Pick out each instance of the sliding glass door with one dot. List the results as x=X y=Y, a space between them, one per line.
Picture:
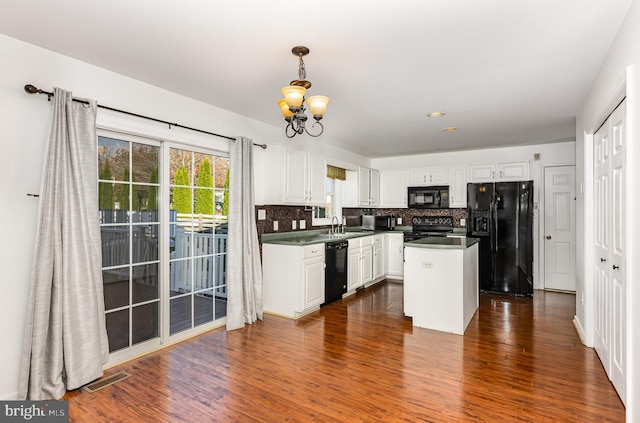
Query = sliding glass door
x=163 y=219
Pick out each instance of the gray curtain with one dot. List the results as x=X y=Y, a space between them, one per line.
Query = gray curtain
x=244 y=273
x=65 y=344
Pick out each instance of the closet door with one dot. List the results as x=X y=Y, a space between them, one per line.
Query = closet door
x=610 y=251
x=618 y=251
x=602 y=286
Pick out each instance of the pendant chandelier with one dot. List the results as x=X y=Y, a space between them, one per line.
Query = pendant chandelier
x=293 y=103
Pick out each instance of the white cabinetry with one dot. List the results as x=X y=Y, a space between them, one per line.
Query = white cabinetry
x=458 y=187
x=379 y=257
x=395 y=254
x=366 y=261
x=293 y=279
x=304 y=178
x=516 y=171
x=393 y=188
x=368 y=187
x=354 y=264
x=430 y=176
x=482 y=173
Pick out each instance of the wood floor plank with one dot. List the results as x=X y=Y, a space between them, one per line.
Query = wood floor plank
x=361 y=360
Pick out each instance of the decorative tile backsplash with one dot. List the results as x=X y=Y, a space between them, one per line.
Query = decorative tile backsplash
x=286 y=215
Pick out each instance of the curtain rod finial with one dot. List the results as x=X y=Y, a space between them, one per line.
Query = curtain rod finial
x=31 y=89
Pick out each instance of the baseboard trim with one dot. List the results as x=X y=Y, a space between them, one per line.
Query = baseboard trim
x=576 y=324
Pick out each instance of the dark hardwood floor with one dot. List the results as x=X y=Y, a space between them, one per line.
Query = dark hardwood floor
x=360 y=360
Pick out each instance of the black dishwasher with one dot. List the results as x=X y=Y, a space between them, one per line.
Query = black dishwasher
x=335 y=273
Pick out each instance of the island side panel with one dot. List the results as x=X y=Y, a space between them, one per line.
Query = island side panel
x=471 y=284
x=433 y=288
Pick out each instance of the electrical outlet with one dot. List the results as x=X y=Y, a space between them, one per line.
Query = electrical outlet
x=262 y=214
x=303 y=224
x=399 y=220
x=294 y=224
x=275 y=225
x=463 y=222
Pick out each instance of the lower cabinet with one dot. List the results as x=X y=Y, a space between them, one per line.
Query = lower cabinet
x=293 y=279
x=379 y=257
x=365 y=261
x=395 y=252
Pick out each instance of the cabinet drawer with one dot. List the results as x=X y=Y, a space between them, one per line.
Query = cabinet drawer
x=366 y=241
x=314 y=250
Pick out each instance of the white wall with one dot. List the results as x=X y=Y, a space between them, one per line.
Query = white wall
x=613 y=80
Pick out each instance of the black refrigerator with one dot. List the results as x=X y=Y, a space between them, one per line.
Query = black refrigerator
x=500 y=214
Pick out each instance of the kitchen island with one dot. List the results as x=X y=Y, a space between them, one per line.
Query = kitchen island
x=441 y=289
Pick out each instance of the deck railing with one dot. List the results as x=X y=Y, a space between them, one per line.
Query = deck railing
x=194 y=244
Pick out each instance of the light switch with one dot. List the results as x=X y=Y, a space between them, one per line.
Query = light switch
x=463 y=222
x=262 y=214
x=399 y=220
x=303 y=224
x=293 y=225
x=275 y=225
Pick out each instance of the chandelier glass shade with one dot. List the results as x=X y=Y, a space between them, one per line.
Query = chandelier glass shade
x=292 y=105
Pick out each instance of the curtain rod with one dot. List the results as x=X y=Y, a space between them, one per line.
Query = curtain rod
x=34 y=90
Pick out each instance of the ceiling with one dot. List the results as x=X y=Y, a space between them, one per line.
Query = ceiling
x=504 y=72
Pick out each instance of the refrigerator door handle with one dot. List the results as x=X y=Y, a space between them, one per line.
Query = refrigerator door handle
x=494 y=224
x=518 y=205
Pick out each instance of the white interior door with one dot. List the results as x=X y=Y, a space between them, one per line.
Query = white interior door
x=601 y=162
x=610 y=251
x=560 y=228
x=617 y=251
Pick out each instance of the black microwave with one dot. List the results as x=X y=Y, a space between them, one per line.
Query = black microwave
x=435 y=197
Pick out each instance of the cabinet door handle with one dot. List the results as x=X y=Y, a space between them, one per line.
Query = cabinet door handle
x=616 y=267
x=603 y=260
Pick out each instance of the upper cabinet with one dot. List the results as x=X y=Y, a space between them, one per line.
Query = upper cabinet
x=368 y=187
x=516 y=171
x=429 y=176
x=393 y=189
x=304 y=178
x=458 y=186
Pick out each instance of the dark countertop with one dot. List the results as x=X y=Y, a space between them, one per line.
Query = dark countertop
x=319 y=236
x=439 y=242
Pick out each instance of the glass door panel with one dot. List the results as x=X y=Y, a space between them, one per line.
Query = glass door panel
x=197 y=238
x=129 y=227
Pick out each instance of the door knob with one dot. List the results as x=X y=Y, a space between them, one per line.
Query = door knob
x=548 y=236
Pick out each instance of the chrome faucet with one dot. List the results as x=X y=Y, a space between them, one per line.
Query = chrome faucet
x=333 y=231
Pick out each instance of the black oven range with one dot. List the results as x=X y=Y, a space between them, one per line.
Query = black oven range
x=426 y=226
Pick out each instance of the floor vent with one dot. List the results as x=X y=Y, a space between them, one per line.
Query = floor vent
x=96 y=386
